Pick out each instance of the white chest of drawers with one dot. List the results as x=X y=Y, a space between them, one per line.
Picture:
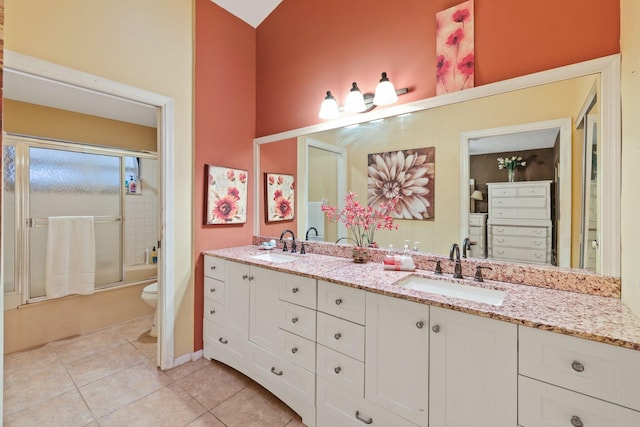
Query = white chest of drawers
x=519 y=227
x=478 y=234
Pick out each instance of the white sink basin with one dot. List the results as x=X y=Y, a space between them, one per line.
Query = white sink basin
x=455 y=290
x=275 y=257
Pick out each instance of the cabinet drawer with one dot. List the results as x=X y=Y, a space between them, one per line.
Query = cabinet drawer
x=521 y=242
x=214 y=267
x=341 y=301
x=600 y=370
x=519 y=254
x=341 y=370
x=528 y=191
x=298 y=290
x=299 y=350
x=214 y=289
x=214 y=311
x=519 y=202
x=338 y=408
x=341 y=335
x=505 y=230
x=477 y=220
x=520 y=213
x=298 y=320
x=541 y=404
x=221 y=344
x=503 y=192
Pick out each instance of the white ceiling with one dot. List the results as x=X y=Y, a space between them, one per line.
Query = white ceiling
x=252 y=12
x=521 y=141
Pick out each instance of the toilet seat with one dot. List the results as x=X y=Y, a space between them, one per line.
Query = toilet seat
x=151 y=289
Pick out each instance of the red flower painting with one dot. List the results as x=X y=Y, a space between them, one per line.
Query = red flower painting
x=226 y=195
x=455 y=61
x=279 y=197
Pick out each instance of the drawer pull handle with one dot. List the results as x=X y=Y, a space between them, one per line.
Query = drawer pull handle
x=368 y=420
x=295 y=290
x=275 y=371
x=419 y=324
x=294 y=320
x=294 y=350
x=577 y=366
x=435 y=328
x=337 y=369
x=576 y=421
x=212 y=312
x=339 y=301
x=245 y=276
x=338 y=335
x=223 y=341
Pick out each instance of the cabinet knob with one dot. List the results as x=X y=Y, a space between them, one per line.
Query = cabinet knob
x=294 y=320
x=419 y=324
x=295 y=290
x=250 y=278
x=275 y=371
x=294 y=350
x=435 y=328
x=577 y=366
x=213 y=267
x=338 y=335
x=245 y=276
x=367 y=420
x=339 y=301
x=212 y=312
x=576 y=421
x=212 y=290
x=337 y=369
x=222 y=340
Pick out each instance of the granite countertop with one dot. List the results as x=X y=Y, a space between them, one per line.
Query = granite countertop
x=593 y=317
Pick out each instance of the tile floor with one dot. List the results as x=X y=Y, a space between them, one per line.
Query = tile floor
x=109 y=378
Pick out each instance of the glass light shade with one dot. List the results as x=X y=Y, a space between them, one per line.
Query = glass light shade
x=329 y=107
x=385 y=92
x=355 y=100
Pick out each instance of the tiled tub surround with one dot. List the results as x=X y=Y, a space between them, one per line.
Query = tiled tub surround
x=601 y=317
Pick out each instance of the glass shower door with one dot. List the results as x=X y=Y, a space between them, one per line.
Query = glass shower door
x=71 y=183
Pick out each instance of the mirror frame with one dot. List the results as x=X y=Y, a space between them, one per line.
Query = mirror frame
x=609 y=69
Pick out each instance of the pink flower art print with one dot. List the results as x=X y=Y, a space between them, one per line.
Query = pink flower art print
x=226 y=195
x=280 y=197
x=455 y=58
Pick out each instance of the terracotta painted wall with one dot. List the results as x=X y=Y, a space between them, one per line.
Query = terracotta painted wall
x=305 y=48
x=277 y=158
x=224 y=126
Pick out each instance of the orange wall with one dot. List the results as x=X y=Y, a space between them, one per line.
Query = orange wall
x=278 y=158
x=305 y=48
x=225 y=94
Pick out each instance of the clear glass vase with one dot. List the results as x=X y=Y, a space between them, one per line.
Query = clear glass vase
x=511 y=175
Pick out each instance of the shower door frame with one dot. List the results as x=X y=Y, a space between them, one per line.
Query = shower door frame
x=164 y=106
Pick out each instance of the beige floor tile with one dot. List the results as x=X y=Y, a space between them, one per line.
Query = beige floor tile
x=86 y=345
x=118 y=390
x=188 y=368
x=170 y=406
x=26 y=388
x=253 y=406
x=65 y=410
x=149 y=349
x=206 y=420
x=213 y=384
x=92 y=368
x=37 y=358
x=132 y=329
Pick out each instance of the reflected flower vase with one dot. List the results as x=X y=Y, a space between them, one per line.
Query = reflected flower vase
x=511 y=175
x=360 y=255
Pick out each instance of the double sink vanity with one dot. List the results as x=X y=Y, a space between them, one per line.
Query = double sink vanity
x=347 y=344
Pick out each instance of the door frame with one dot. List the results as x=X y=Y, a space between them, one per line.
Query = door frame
x=40 y=69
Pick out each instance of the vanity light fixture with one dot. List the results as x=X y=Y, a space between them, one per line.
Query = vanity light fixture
x=356 y=102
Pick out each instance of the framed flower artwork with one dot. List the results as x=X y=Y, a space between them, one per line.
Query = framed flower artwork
x=409 y=176
x=455 y=60
x=279 y=194
x=226 y=195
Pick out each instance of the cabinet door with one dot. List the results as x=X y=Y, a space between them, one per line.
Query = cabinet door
x=397 y=356
x=474 y=370
x=237 y=299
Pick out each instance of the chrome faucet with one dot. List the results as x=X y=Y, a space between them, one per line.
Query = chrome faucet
x=466 y=246
x=457 y=269
x=306 y=236
x=293 y=243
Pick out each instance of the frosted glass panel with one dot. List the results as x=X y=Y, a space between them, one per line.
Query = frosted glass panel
x=8 y=217
x=75 y=184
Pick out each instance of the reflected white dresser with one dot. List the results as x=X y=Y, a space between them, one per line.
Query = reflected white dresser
x=478 y=234
x=519 y=226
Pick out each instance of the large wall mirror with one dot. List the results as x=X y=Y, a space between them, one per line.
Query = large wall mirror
x=563 y=123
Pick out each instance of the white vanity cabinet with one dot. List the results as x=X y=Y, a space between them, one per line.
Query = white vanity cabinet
x=397 y=356
x=570 y=381
x=473 y=370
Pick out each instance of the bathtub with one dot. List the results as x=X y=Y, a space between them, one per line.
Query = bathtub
x=140 y=273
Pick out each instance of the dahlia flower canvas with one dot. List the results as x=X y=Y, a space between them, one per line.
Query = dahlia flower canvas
x=279 y=193
x=226 y=195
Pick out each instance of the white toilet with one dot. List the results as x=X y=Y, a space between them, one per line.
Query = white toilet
x=150 y=296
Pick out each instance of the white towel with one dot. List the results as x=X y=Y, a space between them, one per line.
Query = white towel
x=70 y=266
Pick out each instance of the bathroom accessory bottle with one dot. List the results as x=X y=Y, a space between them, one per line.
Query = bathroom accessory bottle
x=132 y=185
x=126 y=186
x=154 y=256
